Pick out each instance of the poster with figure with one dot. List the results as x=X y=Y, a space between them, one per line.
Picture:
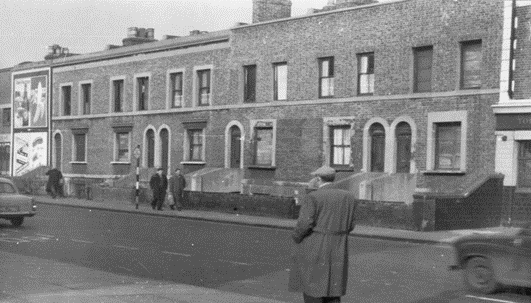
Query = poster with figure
x=30 y=152
x=30 y=101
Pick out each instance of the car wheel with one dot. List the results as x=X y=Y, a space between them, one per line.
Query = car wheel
x=479 y=276
x=17 y=221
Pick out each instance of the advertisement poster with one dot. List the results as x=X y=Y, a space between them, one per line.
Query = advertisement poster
x=29 y=151
x=30 y=101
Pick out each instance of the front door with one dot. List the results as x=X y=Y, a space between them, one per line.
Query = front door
x=235 y=147
x=58 y=151
x=377 y=147
x=403 y=148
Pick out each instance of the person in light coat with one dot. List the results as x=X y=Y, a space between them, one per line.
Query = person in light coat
x=320 y=263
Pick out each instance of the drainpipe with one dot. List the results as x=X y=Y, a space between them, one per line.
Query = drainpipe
x=511 y=51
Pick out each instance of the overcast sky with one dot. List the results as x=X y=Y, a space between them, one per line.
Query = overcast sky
x=28 y=27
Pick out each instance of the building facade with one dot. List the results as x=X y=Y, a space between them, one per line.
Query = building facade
x=401 y=88
x=513 y=112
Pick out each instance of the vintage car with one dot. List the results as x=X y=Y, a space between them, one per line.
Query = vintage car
x=492 y=260
x=13 y=205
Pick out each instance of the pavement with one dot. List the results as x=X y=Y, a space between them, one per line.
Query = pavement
x=156 y=291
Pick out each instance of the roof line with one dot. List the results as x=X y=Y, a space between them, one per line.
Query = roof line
x=333 y=11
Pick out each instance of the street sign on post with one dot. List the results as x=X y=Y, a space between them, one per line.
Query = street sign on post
x=137 y=153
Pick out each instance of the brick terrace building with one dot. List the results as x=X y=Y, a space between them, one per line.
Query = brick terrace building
x=372 y=89
x=513 y=113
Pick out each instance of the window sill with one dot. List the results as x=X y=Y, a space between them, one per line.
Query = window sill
x=342 y=168
x=78 y=162
x=193 y=162
x=118 y=162
x=261 y=167
x=443 y=172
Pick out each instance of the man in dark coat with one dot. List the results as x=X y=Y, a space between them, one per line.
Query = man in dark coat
x=320 y=262
x=159 y=185
x=177 y=185
x=54 y=186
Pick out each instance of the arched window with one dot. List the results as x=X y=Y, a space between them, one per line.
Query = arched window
x=377 y=133
x=150 y=148
x=58 y=145
x=164 y=150
x=403 y=147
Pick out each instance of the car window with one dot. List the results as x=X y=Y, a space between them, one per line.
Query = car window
x=6 y=188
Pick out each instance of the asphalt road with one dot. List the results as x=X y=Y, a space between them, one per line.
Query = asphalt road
x=88 y=248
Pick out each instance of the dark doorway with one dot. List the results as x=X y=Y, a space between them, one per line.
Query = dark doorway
x=58 y=141
x=150 y=143
x=235 y=147
x=403 y=147
x=377 y=133
x=164 y=149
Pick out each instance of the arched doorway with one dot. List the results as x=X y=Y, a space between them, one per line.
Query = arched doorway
x=403 y=147
x=164 y=150
x=150 y=148
x=235 y=146
x=377 y=133
x=58 y=144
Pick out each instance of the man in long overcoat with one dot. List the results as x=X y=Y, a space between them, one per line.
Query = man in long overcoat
x=159 y=185
x=320 y=262
x=177 y=185
x=54 y=186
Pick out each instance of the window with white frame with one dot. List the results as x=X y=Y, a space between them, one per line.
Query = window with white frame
x=86 y=97
x=176 y=89
x=471 y=58
x=249 y=84
x=203 y=85
x=366 y=74
x=280 y=81
x=118 y=95
x=142 y=94
x=195 y=144
x=66 y=99
x=122 y=146
x=326 y=77
x=524 y=164
x=263 y=145
x=340 y=145
x=446 y=144
x=80 y=147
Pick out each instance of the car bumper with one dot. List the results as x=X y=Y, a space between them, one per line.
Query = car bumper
x=17 y=214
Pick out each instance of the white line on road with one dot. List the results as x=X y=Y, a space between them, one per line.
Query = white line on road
x=43 y=235
x=490 y=299
x=126 y=247
x=233 y=262
x=174 y=253
x=81 y=241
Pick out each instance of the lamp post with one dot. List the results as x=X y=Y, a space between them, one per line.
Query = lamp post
x=137 y=153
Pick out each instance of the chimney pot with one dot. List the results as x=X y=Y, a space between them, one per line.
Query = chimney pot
x=267 y=10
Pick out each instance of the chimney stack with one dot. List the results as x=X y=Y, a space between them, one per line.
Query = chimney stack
x=267 y=10
x=138 y=35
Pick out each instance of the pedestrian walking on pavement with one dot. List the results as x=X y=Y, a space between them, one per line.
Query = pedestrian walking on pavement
x=159 y=185
x=54 y=186
x=320 y=261
x=177 y=185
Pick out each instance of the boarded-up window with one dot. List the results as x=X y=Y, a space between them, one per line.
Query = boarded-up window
x=423 y=67
x=249 y=92
x=448 y=146
x=471 y=58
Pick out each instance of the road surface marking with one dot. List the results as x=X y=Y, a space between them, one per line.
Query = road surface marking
x=126 y=247
x=490 y=299
x=43 y=235
x=81 y=241
x=174 y=253
x=234 y=262
x=14 y=240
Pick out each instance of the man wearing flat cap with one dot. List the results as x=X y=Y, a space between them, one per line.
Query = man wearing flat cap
x=320 y=262
x=159 y=185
